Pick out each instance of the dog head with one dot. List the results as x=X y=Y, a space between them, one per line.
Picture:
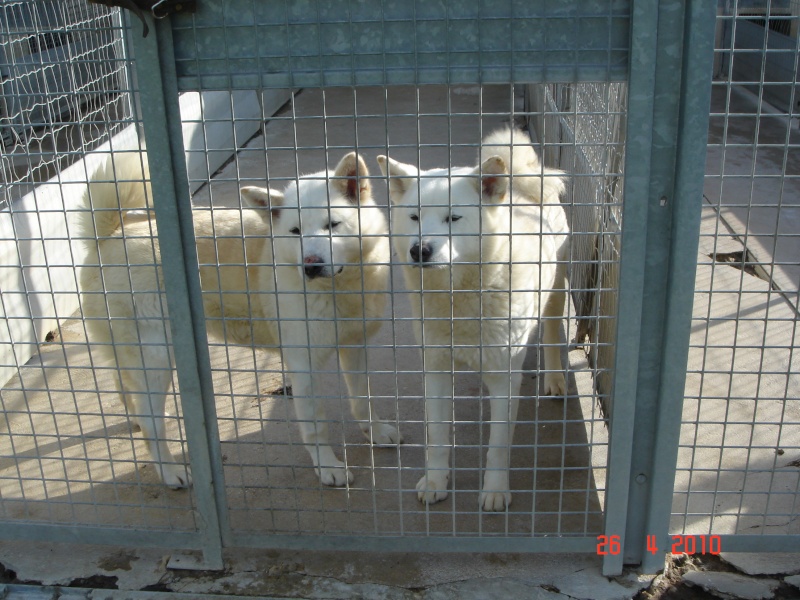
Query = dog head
x=317 y=222
x=437 y=215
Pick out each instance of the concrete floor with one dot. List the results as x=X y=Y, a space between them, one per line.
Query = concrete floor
x=740 y=442
x=57 y=467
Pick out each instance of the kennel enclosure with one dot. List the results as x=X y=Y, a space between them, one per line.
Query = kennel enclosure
x=384 y=62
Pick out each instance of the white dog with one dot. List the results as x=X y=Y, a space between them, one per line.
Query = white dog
x=316 y=257
x=482 y=246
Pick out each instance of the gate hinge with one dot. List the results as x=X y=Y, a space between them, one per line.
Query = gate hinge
x=158 y=8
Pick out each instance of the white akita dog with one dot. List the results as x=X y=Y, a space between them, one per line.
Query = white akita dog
x=307 y=269
x=483 y=247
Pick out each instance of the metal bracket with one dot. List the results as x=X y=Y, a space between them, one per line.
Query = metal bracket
x=158 y=8
x=164 y=8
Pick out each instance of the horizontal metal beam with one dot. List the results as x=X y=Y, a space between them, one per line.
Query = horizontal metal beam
x=418 y=543
x=240 y=44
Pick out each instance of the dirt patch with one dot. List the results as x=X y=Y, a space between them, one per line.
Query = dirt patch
x=670 y=584
x=6 y=575
x=119 y=561
x=97 y=582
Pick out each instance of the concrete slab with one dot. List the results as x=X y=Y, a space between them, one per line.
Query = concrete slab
x=740 y=422
x=772 y=563
x=793 y=580
x=732 y=586
x=752 y=179
x=304 y=574
x=590 y=583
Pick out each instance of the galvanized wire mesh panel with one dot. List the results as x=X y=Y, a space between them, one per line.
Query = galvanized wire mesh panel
x=61 y=74
x=740 y=445
x=423 y=84
x=68 y=452
x=558 y=459
x=582 y=129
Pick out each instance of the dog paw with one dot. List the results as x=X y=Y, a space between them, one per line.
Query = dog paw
x=495 y=501
x=176 y=476
x=432 y=489
x=555 y=384
x=495 y=495
x=335 y=476
x=383 y=434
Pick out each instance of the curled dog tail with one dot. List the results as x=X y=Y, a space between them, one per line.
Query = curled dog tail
x=121 y=183
x=531 y=180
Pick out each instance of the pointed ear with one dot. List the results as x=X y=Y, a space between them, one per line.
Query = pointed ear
x=351 y=178
x=259 y=198
x=492 y=180
x=400 y=175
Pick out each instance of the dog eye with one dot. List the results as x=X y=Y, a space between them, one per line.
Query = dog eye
x=414 y=217
x=295 y=231
x=452 y=218
x=334 y=224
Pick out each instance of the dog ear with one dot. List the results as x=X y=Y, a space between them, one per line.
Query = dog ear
x=492 y=179
x=351 y=178
x=256 y=197
x=400 y=175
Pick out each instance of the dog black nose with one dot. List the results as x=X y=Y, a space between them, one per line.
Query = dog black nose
x=313 y=266
x=421 y=252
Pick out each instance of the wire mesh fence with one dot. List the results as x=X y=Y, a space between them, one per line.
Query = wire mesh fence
x=565 y=494
x=582 y=127
x=65 y=88
x=70 y=451
x=271 y=485
x=738 y=463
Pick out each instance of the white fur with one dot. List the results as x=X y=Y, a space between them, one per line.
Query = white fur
x=489 y=268
x=338 y=306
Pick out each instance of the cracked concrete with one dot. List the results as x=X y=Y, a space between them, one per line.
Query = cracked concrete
x=731 y=586
x=320 y=575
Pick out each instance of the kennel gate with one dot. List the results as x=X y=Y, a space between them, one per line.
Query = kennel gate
x=657 y=47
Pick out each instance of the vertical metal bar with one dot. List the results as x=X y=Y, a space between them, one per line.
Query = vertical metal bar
x=162 y=123
x=683 y=51
x=696 y=68
x=644 y=20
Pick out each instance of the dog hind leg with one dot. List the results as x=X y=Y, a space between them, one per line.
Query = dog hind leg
x=144 y=387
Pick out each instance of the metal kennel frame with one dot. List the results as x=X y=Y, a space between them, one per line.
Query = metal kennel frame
x=656 y=47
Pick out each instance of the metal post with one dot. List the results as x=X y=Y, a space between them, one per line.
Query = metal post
x=695 y=99
x=668 y=113
x=161 y=115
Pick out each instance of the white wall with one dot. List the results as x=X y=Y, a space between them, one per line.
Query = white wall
x=38 y=279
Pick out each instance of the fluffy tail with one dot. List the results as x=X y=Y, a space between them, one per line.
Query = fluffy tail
x=530 y=180
x=121 y=183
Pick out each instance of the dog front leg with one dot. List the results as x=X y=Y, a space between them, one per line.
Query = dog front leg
x=554 y=382
x=439 y=419
x=378 y=431
x=313 y=424
x=504 y=401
